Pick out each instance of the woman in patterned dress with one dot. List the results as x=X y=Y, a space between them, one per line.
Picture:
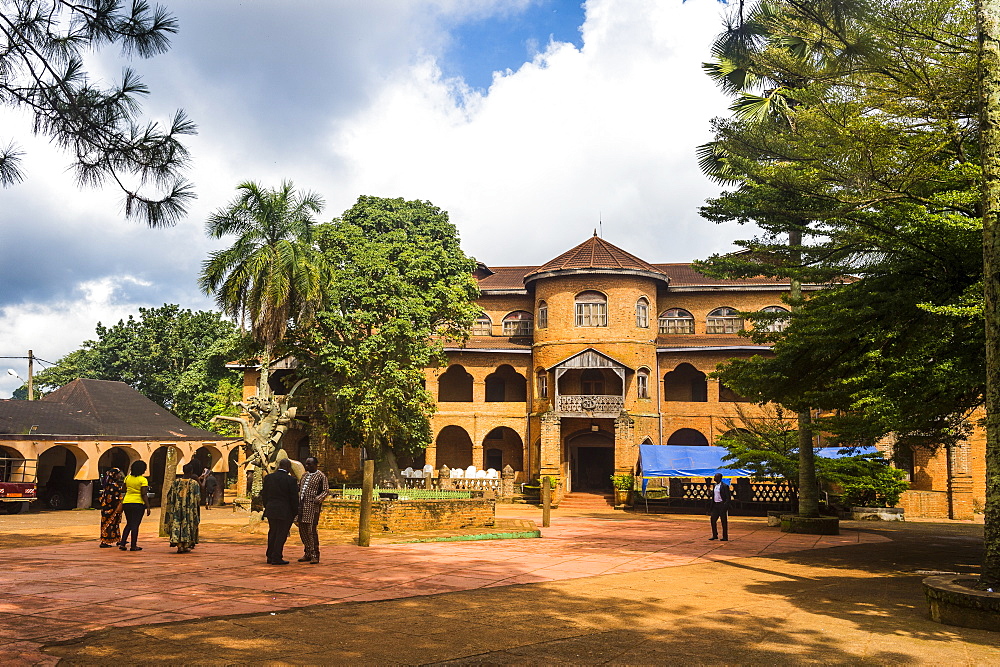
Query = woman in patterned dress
x=183 y=511
x=110 y=500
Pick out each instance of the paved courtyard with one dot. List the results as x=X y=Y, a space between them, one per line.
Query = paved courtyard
x=77 y=599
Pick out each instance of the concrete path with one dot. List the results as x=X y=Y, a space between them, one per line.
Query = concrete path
x=603 y=588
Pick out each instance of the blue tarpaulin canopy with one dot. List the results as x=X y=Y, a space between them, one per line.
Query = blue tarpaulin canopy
x=701 y=461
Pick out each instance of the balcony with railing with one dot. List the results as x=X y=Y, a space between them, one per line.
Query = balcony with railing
x=596 y=404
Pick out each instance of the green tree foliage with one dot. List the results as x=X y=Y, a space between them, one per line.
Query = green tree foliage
x=175 y=357
x=767 y=444
x=272 y=273
x=882 y=488
x=42 y=70
x=879 y=158
x=399 y=286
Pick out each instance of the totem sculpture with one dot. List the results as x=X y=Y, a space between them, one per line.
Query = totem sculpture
x=263 y=422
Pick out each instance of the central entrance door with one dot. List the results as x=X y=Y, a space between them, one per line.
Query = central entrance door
x=592 y=462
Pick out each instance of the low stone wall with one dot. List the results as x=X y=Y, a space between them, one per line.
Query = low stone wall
x=399 y=516
x=925 y=504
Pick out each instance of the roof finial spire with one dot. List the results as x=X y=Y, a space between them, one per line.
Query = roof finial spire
x=595 y=231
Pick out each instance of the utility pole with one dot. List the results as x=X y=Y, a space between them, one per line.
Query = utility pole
x=31 y=376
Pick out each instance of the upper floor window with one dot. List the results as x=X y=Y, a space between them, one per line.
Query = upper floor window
x=591 y=309
x=483 y=326
x=517 y=323
x=543 y=315
x=676 y=321
x=724 y=321
x=642 y=383
x=543 y=384
x=779 y=322
x=642 y=313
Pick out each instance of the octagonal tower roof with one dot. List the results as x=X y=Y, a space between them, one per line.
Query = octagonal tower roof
x=595 y=255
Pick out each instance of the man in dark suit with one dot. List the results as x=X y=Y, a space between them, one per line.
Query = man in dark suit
x=721 y=497
x=280 y=497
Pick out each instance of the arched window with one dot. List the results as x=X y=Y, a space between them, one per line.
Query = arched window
x=642 y=313
x=542 y=384
x=724 y=321
x=687 y=437
x=779 y=322
x=685 y=383
x=483 y=326
x=455 y=385
x=676 y=321
x=591 y=309
x=543 y=315
x=517 y=323
x=642 y=383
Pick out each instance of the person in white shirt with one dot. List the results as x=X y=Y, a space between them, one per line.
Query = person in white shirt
x=721 y=496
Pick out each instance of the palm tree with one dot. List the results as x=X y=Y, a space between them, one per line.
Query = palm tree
x=272 y=273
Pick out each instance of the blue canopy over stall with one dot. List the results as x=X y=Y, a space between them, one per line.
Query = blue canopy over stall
x=701 y=461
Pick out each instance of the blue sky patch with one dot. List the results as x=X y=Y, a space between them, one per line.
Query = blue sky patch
x=510 y=39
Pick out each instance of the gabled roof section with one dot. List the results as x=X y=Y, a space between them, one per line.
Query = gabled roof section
x=504 y=280
x=589 y=358
x=595 y=255
x=97 y=408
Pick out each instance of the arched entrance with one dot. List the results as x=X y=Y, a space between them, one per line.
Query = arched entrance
x=502 y=447
x=57 y=468
x=454 y=447
x=592 y=461
x=117 y=457
x=687 y=437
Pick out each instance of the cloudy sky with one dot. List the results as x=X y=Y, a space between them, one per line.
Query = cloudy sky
x=528 y=120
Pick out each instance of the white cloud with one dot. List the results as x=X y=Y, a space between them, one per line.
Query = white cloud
x=605 y=132
x=353 y=102
x=61 y=325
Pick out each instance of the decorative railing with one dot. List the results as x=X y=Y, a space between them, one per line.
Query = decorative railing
x=591 y=403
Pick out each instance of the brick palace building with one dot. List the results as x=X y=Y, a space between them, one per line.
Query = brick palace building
x=575 y=363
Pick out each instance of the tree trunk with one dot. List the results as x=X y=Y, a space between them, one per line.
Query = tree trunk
x=808 y=490
x=988 y=18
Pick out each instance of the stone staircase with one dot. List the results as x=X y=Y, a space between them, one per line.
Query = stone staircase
x=587 y=501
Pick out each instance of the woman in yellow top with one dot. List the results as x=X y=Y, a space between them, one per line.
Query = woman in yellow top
x=133 y=504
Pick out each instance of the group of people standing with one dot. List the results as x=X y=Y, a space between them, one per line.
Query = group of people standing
x=286 y=502
x=128 y=496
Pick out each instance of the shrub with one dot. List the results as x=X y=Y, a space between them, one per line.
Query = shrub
x=880 y=488
x=623 y=481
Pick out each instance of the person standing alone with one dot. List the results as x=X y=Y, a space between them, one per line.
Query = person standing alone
x=721 y=495
x=280 y=497
x=313 y=489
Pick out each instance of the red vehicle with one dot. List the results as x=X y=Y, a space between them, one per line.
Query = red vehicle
x=18 y=484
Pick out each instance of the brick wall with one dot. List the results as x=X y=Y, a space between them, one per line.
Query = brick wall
x=925 y=504
x=397 y=516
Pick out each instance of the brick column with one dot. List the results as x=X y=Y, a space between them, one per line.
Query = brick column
x=625 y=450
x=960 y=485
x=551 y=449
x=431 y=455
x=477 y=455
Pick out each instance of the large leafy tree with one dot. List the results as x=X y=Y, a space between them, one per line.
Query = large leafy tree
x=272 y=273
x=42 y=46
x=173 y=356
x=399 y=286
x=885 y=154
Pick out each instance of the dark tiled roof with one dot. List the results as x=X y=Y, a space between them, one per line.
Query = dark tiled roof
x=684 y=274
x=492 y=343
x=596 y=253
x=680 y=274
x=97 y=408
x=704 y=340
x=506 y=277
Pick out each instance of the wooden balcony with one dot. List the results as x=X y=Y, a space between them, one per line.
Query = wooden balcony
x=590 y=405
